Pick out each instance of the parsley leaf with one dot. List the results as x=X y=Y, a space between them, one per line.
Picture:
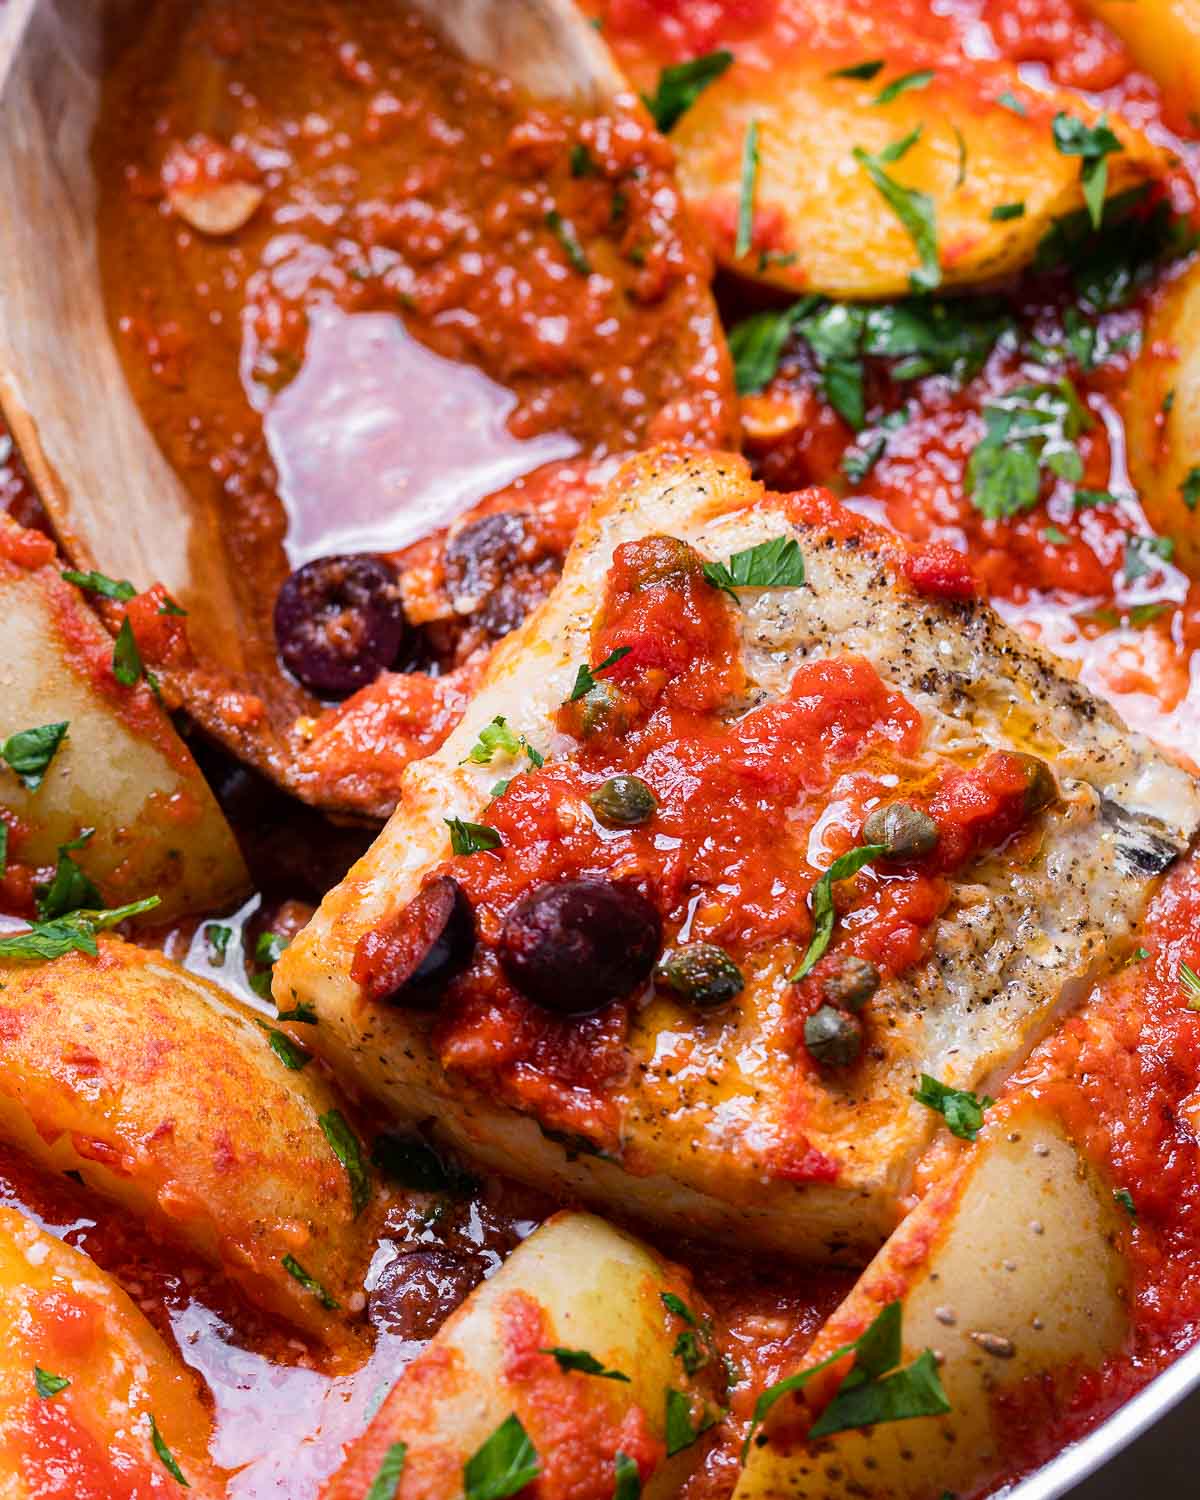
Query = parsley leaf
x=169 y=607
x=675 y=1304
x=1010 y=101
x=387 y=1476
x=1143 y=553
x=585 y=678
x=70 y=888
x=681 y=85
x=217 y=936
x=1055 y=536
x=267 y=951
x=1030 y=429
x=1190 y=981
x=628 y=1484
x=564 y=232
x=288 y=1053
x=1004 y=211
x=345 y=1146
x=166 y=1456
x=1084 y=499
x=581 y=161
x=497 y=737
x=1125 y=1198
x=99 y=583
x=48 y=1385
x=690 y=1352
x=471 y=838
x=962 y=1110
x=584 y=1363
x=745 y=218
x=917 y=80
x=822 y=901
x=304 y=1014
x=126 y=658
x=74 y=933
x=756 y=343
x=310 y=1283
x=912 y=207
x=30 y=751
x=1095 y=144
x=858 y=461
x=680 y=1433
x=864 y=70
x=834 y=333
x=777 y=564
x=413 y=1164
x=505 y=1463
x=1189 y=490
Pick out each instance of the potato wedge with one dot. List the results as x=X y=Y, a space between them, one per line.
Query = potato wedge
x=121 y=770
x=1010 y=1271
x=165 y=1095
x=820 y=225
x=576 y=1284
x=1164 y=434
x=64 y=1317
x=1163 y=37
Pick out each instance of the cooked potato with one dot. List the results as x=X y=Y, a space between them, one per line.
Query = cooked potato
x=65 y=1320
x=820 y=223
x=121 y=770
x=166 y=1095
x=576 y=1284
x=1164 y=434
x=1163 y=37
x=1010 y=1272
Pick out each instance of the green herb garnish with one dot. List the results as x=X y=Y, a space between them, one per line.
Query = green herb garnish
x=777 y=564
x=1009 y=100
x=48 y=1385
x=166 y=1457
x=505 y=1463
x=864 y=70
x=912 y=207
x=413 y=1164
x=1144 y=553
x=564 y=232
x=1004 y=211
x=126 y=658
x=74 y=933
x=1125 y=1198
x=99 y=583
x=581 y=161
x=1190 y=981
x=289 y=1054
x=680 y=1433
x=217 y=936
x=387 y=1476
x=682 y=84
x=30 y=751
x=310 y=1283
x=345 y=1146
x=585 y=678
x=675 y=1304
x=842 y=868
x=628 y=1485
x=268 y=950
x=1095 y=144
x=961 y=1109
x=70 y=888
x=497 y=738
x=745 y=219
x=1030 y=430
x=917 y=80
x=583 y=1362
x=471 y=838
x=1189 y=490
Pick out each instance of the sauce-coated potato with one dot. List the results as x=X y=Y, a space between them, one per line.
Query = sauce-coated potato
x=821 y=224
x=1163 y=37
x=65 y=1320
x=576 y=1284
x=1010 y=1272
x=121 y=769
x=166 y=1095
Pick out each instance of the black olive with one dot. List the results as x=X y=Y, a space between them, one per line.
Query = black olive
x=339 y=622
x=906 y=831
x=1043 y=789
x=411 y=959
x=702 y=974
x=575 y=945
x=852 y=983
x=417 y=1290
x=833 y=1037
x=623 y=802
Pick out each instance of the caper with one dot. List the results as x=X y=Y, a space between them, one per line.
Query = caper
x=600 y=708
x=852 y=984
x=622 y=802
x=659 y=559
x=833 y=1037
x=905 y=831
x=1042 y=789
x=702 y=974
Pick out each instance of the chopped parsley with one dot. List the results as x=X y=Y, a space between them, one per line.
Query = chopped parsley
x=777 y=564
x=497 y=738
x=873 y=1390
x=1054 y=536
x=413 y=1164
x=30 y=751
x=912 y=207
x=582 y=164
x=218 y=937
x=387 y=1476
x=628 y=1478
x=267 y=952
x=749 y=187
x=310 y=1283
x=471 y=838
x=864 y=70
x=503 y=1464
x=682 y=84
x=1190 y=981
x=1008 y=100
x=858 y=461
x=74 y=933
x=1125 y=1198
x=680 y=1433
x=304 y=1014
x=289 y=1054
x=917 y=80
x=126 y=658
x=675 y=1304
x=345 y=1146
x=961 y=1109
x=690 y=1352
x=166 y=1457
x=99 y=583
x=756 y=343
x=564 y=232
x=1094 y=144
x=1029 y=431
x=169 y=607
x=583 y=1362
x=1189 y=490
x=842 y=868
x=70 y=888
x=1143 y=554
x=1005 y=211
x=585 y=678
x=1109 y=265
x=48 y=1385
x=1085 y=499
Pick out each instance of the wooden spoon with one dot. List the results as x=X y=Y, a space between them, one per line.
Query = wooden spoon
x=117 y=505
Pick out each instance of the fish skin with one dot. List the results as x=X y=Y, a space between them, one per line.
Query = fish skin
x=1016 y=948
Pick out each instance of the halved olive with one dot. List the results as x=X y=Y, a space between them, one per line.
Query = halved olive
x=702 y=974
x=622 y=802
x=410 y=960
x=1043 y=788
x=852 y=983
x=905 y=831
x=575 y=945
x=339 y=622
x=833 y=1037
